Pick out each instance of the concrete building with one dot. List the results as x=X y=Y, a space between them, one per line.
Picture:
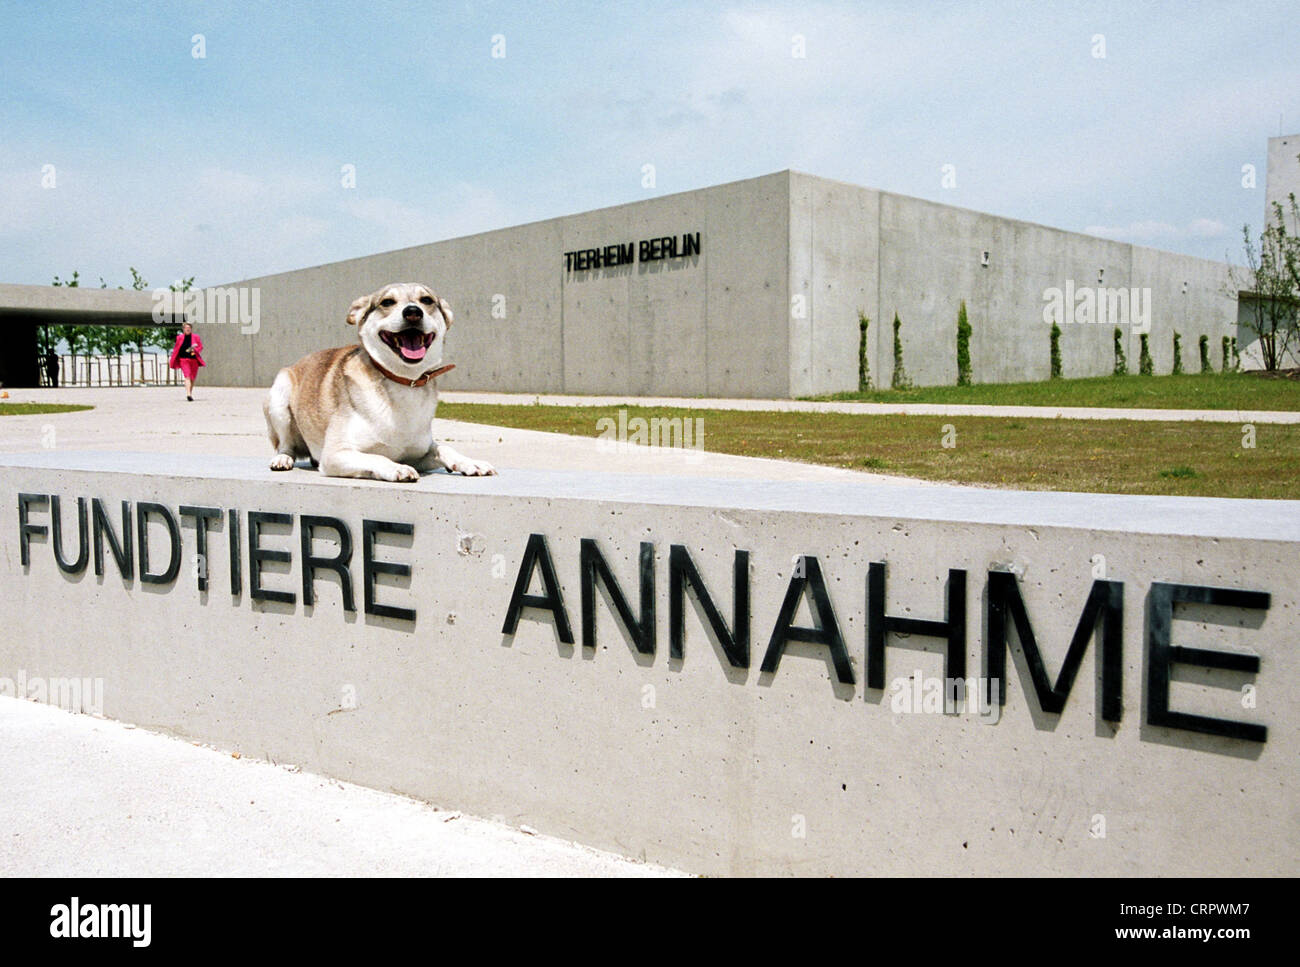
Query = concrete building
x=25 y=307
x=1283 y=176
x=747 y=289
x=769 y=304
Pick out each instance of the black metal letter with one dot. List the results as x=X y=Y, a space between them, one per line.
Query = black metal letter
x=142 y=512
x=1161 y=654
x=201 y=517
x=257 y=554
x=370 y=529
x=952 y=628
x=25 y=529
x=592 y=564
x=338 y=564
x=236 y=559
x=827 y=630
x=536 y=554
x=101 y=525
x=682 y=571
x=83 y=543
x=1105 y=606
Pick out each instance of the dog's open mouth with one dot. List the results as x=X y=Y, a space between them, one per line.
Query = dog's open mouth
x=410 y=344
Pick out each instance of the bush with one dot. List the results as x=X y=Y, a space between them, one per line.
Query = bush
x=1226 y=349
x=1178 y=354
x=900 y=378
x=1121 y=362
x=963 y=346
x=864 y=367
x=1204 y=343
x=1056 y=351
x=1145 y=366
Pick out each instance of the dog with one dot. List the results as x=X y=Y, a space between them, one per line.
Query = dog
x=367 y=410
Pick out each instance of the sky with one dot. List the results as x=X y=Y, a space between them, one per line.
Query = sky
x=122 y=146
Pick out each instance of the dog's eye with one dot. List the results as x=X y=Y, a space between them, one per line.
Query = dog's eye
x=426 y=300
x=388 y=302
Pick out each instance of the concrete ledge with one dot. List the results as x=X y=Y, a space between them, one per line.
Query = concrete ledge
x=519 y=646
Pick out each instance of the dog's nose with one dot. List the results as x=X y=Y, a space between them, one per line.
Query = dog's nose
x=412 y=311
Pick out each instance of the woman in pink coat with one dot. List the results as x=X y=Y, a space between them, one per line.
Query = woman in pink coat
x=186 y=358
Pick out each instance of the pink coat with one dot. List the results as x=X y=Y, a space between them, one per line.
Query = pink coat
x=196 y=344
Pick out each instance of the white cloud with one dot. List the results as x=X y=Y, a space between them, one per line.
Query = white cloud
x=1206 y=228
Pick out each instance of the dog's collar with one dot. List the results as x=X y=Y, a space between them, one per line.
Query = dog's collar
x=407 y=381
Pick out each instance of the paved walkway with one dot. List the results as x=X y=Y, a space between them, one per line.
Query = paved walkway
x=226 y=421
x=89 y=797
x=887 y=409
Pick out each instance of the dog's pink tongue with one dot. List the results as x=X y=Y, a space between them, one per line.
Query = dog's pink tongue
x=411 y=345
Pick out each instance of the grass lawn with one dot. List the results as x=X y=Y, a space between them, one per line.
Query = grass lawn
x=1201 y=459
x=1217 y=391
x=27 y=409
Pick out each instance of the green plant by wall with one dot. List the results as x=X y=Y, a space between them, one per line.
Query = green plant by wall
x=963 y=346
x=1226 y=350
x=1178 y=354
x=1121 y=361
x=1236 y=356
x=900 y=379
x=1204 y=344
x=1056 y=351
x=864 y=367
x=1145 y=366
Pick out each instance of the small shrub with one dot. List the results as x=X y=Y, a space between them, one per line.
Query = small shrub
x=1145 y=365
x=1204 y=344
x=864 y=367
x=1178 y=354
x=900 y=378
x=963 y=346
x=1227 y=356
x=1121 y=362
x=1056 y=351
x=1236 y=356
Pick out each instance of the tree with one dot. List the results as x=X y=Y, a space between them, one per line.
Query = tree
x=112 y=340
x=1269 y=286
x=864 y=365
x=900 y=378
x=1146 y=366
x=963 y=346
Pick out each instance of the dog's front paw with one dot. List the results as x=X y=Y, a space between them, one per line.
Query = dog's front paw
x=472 y=468
x=404 y=474
x=282 y=461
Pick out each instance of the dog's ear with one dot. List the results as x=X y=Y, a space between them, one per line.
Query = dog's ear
x=357 y=311
x=445 y=309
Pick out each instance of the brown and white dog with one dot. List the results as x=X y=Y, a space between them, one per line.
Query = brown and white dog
x=367 y=410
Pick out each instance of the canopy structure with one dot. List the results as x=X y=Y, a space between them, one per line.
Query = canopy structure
x=24 y=307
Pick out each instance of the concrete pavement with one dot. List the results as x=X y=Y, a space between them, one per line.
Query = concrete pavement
x=227 y=421
x=89 y=797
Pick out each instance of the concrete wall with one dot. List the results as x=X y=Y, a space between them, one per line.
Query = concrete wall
x=930 y=259
x=834 y=258
x=713 y=324
x=692 y=762
x=1283 y=177
x=768 y=309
